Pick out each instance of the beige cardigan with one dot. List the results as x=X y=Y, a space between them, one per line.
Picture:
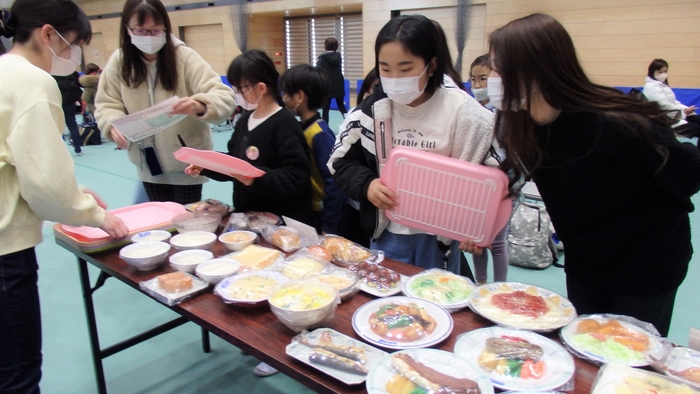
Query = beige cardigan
x=196 y=79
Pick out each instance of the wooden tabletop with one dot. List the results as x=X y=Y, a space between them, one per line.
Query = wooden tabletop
x=259 y=332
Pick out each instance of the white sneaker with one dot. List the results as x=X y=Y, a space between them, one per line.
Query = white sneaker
x=264 y=370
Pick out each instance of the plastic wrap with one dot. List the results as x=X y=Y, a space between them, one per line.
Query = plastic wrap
x=152 y=288
x=249 y=289
x=678 y=362
x=376 y=279
x=210 y=205
x=285 y=238
x=345 y=252
x=299 y=264
x=616 y=378
x=303 y=304
x=442 y=287
x=255 y=257
x=343 y=280
x=606 y=338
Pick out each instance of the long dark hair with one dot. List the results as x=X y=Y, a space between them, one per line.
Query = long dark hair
x=535 y=53
x=654 y=66
x=370 y=80
x=444 y=51
x=417 y=35
x=133 y=69
x=27 y=15
x=255 y=66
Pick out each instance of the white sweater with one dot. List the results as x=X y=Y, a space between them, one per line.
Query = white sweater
x=37 y=179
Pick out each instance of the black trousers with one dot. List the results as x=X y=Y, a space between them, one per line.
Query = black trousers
x=72 y=124
x=20 y=323
x=655 y=309
x=182 y=194
x=341 y=107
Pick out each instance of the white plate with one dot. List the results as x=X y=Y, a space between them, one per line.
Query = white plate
x=559 y=363
x=440 y=360
x=450 y=306
x=561 y=311
x=614 y=378
x=301 y=353
x=567 y=333
x=379 y=293
x=360 y=323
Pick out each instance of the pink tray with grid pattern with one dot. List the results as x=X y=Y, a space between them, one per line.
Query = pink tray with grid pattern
x=217 y=161
x=446 y=196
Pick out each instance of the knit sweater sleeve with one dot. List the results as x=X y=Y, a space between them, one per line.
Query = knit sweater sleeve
x=474 y=134
x=109 y=103
x=206 y=87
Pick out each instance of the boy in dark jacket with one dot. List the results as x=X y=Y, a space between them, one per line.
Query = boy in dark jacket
x=331 y=63
x=305 y=89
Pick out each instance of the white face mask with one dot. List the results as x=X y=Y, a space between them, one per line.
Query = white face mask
x=403 y=90
x=480 y=94
x=149 y=44
x=495 y=93
x=240 y=100
x=661 y=77
x=63 y=67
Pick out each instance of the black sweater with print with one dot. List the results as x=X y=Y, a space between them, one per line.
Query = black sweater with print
x=624 y=223
x=276 y=146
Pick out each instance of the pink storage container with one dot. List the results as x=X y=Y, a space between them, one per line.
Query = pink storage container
x=446 y=196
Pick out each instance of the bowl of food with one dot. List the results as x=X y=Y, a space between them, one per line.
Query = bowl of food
x=344 y=281
x=303 y=304
x=151 y=236
x=250 y=289
x=213 y=271
x=193 y=240
x=197 y=221
x=237 y=240
x=145 y=256
x=187 y=260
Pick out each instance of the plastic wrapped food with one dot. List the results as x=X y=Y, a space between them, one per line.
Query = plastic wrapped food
x=619 y=379
x=282 y=237
x=680 y=362
x=343 y=280
x=429 y=379
x=255 y=257
x=256 y=220
x=249 y=289
x=381 y=278
x=210 y=205
x=512 y=356
x=441 y=287
x=173 y=291
x=402 y=323
x=345 y=252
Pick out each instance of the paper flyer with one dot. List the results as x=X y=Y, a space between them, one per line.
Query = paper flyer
x=149 y=121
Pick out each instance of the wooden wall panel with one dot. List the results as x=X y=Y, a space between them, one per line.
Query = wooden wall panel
x=208 y=41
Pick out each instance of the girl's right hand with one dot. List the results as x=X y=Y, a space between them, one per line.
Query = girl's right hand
x=193 y=170
x=381 y=196
x=118 y=138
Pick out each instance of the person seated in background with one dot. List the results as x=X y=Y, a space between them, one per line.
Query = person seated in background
x=304 y=90
x=657 y=89
x=89 y=82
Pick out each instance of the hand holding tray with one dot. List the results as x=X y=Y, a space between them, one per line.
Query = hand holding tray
x=219 y=162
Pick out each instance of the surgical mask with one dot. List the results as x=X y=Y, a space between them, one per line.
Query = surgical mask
x=661 y=77
x=149 y=44
x=403 y=90
x=240 y=100
x=63 y=67
x=495 y=94
x=480 y=94
x=294 y=110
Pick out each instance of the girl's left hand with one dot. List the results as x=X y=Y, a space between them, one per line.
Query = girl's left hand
x=189 y=106
x=469 y=247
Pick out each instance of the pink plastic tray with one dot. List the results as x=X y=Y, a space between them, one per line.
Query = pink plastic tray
x=140 y=217
x=446 y=196
x=219 y=162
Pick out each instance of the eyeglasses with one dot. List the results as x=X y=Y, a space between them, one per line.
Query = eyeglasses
x=144 y=32
x=239 y=89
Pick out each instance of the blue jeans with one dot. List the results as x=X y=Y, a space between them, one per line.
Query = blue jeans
x=416 y=249
x=20 y=323
x=72 y=124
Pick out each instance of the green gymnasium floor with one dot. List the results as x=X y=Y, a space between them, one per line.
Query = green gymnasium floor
x=173 y=362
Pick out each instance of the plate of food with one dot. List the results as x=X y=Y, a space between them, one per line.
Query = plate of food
x=444 y=288
x=426 y=371
x=523 y=306
x=335 y=354
x=377 y=280
x=402 y=323
x=617 y=378
x=617 y=339
x=683 y=364
x=517 y=360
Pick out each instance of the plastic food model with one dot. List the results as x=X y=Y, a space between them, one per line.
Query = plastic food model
x=286 y=239
x=296 y=269
x=253 y=287
x=610 y=340
x=376 y=276
x=521 y=303
x=256 y=220
x=417 y=378
x=345 y=358
x=512 y=356
x=255 y=257
x=175 y=282
x=345 y=252
x=402 y=323
x=441 y=288
x=320 y=252
x=620 y=379
x=297 y=298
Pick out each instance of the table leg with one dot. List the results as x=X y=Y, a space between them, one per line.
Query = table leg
x=205 y=341
x=92 y=326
